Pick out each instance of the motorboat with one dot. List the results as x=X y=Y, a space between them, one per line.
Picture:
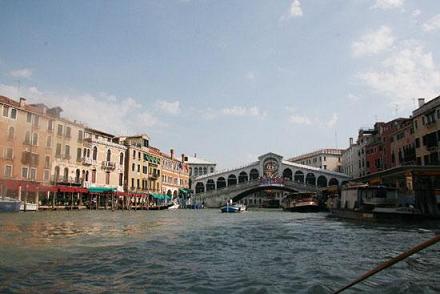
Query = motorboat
x=29 y=207
x=233 y=207
x=301 y=202
x=174 y=206
x=8 y=204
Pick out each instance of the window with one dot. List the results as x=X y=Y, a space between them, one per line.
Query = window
x=212 y=169
x=46 y=175
x=36 y=120
x=80 y=136
x=121 y=179
x=138 y=183
x=58 y=151
x=145 y=170
x=47 y=162
x=60 y=130
x=66 y=175
x=139 y=168
x=417 y=142
x=134 y=154
x=29 y=117
x=24 y=172
x=133 y=167
x=50 y=125
x=11 y=133
x=139 y=155
x=49 y=142
x=5 y=111
x=107 y=178
x=121 y=158
x=132 y=183
x=35 y=139
x=109 y=155
x=33 y=175
x=68 y=131
x=95 y=153
x=94 y=176
x=78 y=154
x=9 y=153
x=13 y=113
x=27 y=138
x=67 y=152
x=8 y=171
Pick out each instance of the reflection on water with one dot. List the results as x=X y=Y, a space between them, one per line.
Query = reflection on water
x=205 y=251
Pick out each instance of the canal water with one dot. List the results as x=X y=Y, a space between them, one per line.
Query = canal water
x=204 y=251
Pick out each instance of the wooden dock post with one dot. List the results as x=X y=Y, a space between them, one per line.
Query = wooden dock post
x=71 y=201
x=54 y=196
x=98 y=198
x=37 y=199
x=106 y=202
x=113 y=202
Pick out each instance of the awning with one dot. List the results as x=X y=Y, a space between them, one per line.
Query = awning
x=161 y=196
x=70 y=189
x=151 y=159
x=101 y=189
x=185 y=191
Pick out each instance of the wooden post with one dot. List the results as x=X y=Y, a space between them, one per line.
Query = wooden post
x=113 y=202
x=97 y=201
x=37 y=199
x=71 y=201
x=54 y=196
x=19 y=193
x=106 y=202
x=26 y=198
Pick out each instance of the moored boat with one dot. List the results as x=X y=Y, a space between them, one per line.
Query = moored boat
x=301 y=202
x=29 y=207
x=233 y=207
x=8 y=204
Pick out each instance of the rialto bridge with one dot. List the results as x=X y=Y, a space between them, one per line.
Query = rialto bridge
x=270 y=172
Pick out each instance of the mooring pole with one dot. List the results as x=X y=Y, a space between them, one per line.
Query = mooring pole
x=392 y=261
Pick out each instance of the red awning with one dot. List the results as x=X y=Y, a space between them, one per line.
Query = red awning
x=70 y=189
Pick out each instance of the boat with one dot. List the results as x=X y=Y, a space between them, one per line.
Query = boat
x=8 y=204
x=174 y=206
x=365 y=202
x=29 y=207
x=233 y=207
x=301 y=202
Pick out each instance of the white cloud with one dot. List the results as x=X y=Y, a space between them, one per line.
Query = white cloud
x=242 y=111
x=250 y=76
x=171 y=107
x=432 y=24
x=23 y=73
x=306 y=120
x=373 y=42
x=297 y=119
x=118 y=115
x=416 y=13
x=388 y=4
x=409 y=72
x=353 y=97
x=295 y=9
x=331 y=123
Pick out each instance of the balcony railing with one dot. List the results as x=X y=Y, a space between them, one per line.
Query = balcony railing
x=108 y=165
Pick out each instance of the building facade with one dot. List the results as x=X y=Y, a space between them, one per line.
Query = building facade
x=103 y=160
x=426 y=124
x=175 y=174
x=198 y=167
x=328 y=159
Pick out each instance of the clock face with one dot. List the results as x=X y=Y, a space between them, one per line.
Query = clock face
x=270 y=167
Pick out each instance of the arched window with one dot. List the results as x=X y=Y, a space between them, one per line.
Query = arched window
x=11 y=133
x=109 y=155
x=232 y=180
x=95 y=153
x=27 y=138
x=77 y=175
x=322 y=182
x=254 y=174
x=66 y=174
x=200 y=188
x=287 y=174
x=205 y=170
x=196 y=171
x=299 y=177
x=57 y=173
x=242 y=177
x=310 y=179
x=121 y=158
x=210 y=185
x=221 y=183
x=34 y=139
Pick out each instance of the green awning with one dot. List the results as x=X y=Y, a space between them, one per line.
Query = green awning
x=151 y=159
x=185 y=191
x=161 y=196
x=101 y=189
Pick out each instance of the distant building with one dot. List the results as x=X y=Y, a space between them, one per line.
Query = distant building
x=198 y=167
x=328 y=159
x=426 y=123
x=175 y=173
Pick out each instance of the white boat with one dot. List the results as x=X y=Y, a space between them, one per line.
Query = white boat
x=8 y=204
x=234 y=207
x=29 y=206
x=174 y=206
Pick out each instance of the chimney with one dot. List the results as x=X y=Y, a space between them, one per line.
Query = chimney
x=351 y=141
x=172 y=153
x=195 y=154
x=421 y=101
x=22 y=101
x=183 y=158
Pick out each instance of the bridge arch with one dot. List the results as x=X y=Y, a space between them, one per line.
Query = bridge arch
x=200 y=187
x=333 y=182
x=210 y=185
x=232 y=180
x=243 y=177
x=321 y=182
x=311 y=179
x=258 y=189
x=221 y=183
x=254 y=174
x=288 y=174
x=299 y=177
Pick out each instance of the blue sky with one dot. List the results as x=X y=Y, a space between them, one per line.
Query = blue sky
x=228 y=80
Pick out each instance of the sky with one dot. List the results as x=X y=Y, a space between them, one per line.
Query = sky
x=228 y=80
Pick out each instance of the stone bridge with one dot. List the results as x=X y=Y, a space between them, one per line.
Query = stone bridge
x=270 y=172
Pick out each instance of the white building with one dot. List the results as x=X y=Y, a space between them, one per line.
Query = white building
x=198 y=167
x=328 y=159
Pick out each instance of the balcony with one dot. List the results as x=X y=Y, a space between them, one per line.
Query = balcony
x=108 y=165
x=154 y=176
x=87 y=161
